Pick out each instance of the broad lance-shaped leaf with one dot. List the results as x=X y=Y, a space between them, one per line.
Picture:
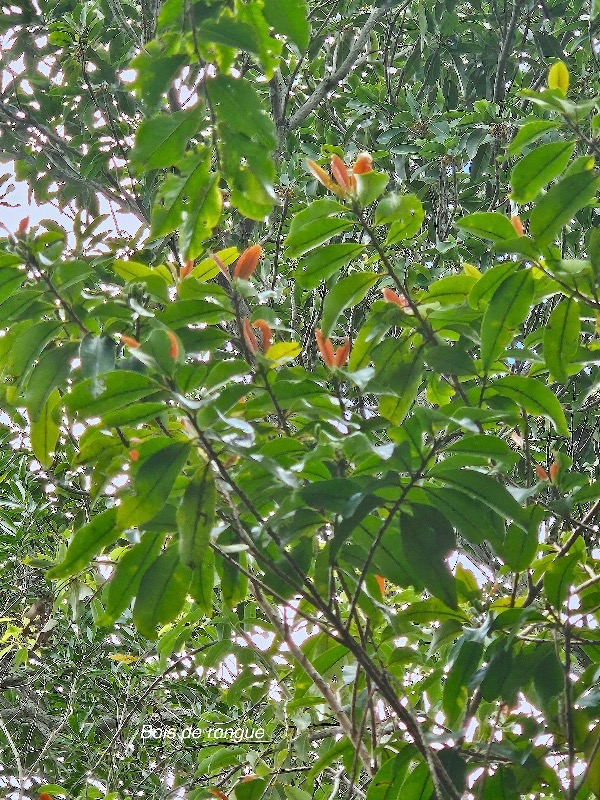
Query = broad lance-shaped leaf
x=128 y=573
x=161 y=141
x=536 y=398
x=488 y=225
x=426 y=541
x=45 y=429
x=152 y=484
x=324 y=262
x=87 y=543
x=345 y=294
x=560 y=205
x=196 y=517
x=483 y=488
x=561 y=338
x=191 y=193
x=289 y=17
x=161 y=593
x=507 y=309
x=51 y=371
x=118 y=390
x=538 y=168
x=455 y=687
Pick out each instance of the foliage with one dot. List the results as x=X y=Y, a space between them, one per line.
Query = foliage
x=315 y=450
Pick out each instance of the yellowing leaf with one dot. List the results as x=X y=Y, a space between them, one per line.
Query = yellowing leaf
x=283 y=351
x=558 y=77
x=469 y=269
x=123 y=658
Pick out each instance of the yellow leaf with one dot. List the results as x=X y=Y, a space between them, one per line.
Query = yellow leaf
x=123 y=658
x=469 y=269
x=283 y=351
x=558 y=77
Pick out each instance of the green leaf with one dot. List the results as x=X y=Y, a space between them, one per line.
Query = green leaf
x=387 y=781
x=488 y=225
x=196 y=518
x=485 y=288
x=251 y=790
x=538 y=168
x=324 y=262
x=558 y=578
x=87 y=543
x=128 y=573
x=507 y=309
x=155 y=72
x=313 y=234
x=289 y=17
x=370 y=185
x=449 y=360
x=528 y=133
x=451 y=290
x=10 y=280
x=192 y=200
x=345 y=294
x=193 y=312
x=27 y=347
x=161 y=593
x=520 y=546
x=561 y=338
x=484 y=489
x=119 y=389
x=474 y=520
x=153 y=484
x=45 y=429
x=51 y=370
x=560 y=205
x=426 y=541
x=409 y=216
x=455 y=694
x=161 y=141
x=97 y=354
x=535 y=398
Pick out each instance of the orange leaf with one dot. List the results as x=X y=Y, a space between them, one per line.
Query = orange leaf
x=218 y=793
x=129 y=341
x=342 y=353
x=247 y=262
x=320 y=174
x=174 y=348
x=249 y=336
x=339 y=172
x=541 y=472
x=186 y=269
x=325 y=348
x=267 y=333
x=390 y=296
x=45 y=796
x=22 y=227
x=134 y=455
x=362 y=164
x=515 y=221
x=554 y=469
x=380 y=583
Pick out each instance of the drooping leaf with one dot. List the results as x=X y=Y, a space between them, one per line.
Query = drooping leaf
x=196 y=518
x=153 y=484
x=561 y=338
x=345 y=294
x=161 y=141
x=507 y=309
x=161 y=593
x=128 y=573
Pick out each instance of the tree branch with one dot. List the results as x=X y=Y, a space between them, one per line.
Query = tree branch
x=340 y=73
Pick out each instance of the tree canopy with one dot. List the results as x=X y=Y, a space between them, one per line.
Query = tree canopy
x=300 y=458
